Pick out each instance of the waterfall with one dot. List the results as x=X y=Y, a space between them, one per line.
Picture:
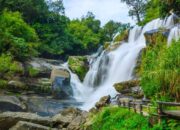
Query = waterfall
x=115 y=66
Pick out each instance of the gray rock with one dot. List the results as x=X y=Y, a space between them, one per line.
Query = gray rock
x=11 y=118
x=22 y=125
x=66 y=116
x=11 y=103
x=103 y=102
x=16 y=84
x=76 y=123
x=61 y=87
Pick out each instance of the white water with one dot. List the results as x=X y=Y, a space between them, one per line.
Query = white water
x=116 y=66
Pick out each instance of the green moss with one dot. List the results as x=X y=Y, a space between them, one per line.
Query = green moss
x=122 y=36
x=3 y=83
x=78 y=65
x=126 y=85
x=32 y=72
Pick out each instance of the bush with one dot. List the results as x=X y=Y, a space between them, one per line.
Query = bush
x=17 y=37
x=114 y=118
x=160 y=71
x=32 y=72
x=78 y=65
x=8 y=67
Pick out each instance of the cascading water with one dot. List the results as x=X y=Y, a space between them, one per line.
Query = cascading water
x=116 y=66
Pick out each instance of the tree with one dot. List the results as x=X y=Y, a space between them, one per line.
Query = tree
x=137 y=8
x=110 y=29
x=56 y=6
x=17 y=37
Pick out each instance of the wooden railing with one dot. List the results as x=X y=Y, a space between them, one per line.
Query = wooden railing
x=145 y=108
x=175 y=114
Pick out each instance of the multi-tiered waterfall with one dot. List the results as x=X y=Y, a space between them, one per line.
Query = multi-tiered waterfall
x=107 y=68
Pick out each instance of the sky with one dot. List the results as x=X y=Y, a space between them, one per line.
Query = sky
x=104 y=10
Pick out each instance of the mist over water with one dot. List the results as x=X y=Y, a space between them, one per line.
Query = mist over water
x=108 y=68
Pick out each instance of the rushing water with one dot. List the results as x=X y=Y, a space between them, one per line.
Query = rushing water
x=115 y=66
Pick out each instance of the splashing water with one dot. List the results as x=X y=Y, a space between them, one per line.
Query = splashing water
x=115 y=66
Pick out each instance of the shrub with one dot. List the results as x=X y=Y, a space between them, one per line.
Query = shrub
x=17 y=37
x=160 y=71
x=114 y=118
x=32 y=72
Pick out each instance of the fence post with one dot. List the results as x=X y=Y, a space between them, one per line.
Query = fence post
x=129 y=105
x=159 y=111
x=141 y=109
x=134 y=107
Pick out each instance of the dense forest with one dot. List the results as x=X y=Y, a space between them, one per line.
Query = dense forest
x=40 y=29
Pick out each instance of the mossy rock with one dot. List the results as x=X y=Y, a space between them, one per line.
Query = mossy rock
x=78 y=65
x=122 y=36
x=113 y=46
x=154 y=36
x=126 y=85
x=106 y=45
x=137 y=69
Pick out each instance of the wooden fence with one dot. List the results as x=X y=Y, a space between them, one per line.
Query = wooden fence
x=146 y=109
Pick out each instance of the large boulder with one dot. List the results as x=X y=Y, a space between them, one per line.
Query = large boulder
x=126 y=85
x=104 y=101
x=65 y=117
x=79 y=65
x=23 y=125
x=11 y=118
x=39 y=67
x=61 y=87
x=129 y=88
x=16 y=85
x=11 y=103
x=153 y=36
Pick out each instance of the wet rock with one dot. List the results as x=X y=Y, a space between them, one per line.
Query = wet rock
x=113 y=46
x=40 y=65
x=16 y=85
x=125 y=87
x=136 y=71
x=23 y=125
x=11 y=103
x=61 y=87
x=153 y=36
x=11 y=118
x=79 y=65
x=122 y=36
x=103 y=102
x=65 y=117
x=76 y=123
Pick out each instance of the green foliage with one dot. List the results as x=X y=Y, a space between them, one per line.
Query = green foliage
x=160 y=71
x=17 y=37
x=32 y=72
x=83 y=35
x=3 y=83
x=160 y=9
x=123 y=36
x=114 y=118
x=8 y=67
x=78 y=64
x=137 y=8
x=152 y=11
x=166 y=6
x=110 y=29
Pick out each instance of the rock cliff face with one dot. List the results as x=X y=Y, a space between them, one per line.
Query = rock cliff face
x=155 y=35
